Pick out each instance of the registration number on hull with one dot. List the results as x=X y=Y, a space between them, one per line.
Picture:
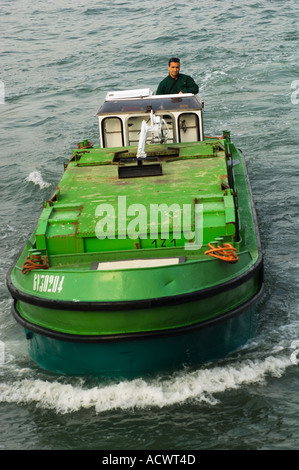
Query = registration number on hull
x=47 y=283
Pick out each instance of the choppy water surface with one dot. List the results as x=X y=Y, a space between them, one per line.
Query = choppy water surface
x=58 y=61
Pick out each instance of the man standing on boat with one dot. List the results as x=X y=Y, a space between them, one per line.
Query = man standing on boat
x=176 y=82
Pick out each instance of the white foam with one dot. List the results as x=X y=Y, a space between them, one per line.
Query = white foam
x=201 y=386
x=36 y=178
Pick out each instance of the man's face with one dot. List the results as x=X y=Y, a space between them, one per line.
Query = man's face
x=174 y=69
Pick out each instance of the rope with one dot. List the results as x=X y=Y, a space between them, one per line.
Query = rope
x=36 y=262
x=211 y=137
x=225 y=253
x=85 y=144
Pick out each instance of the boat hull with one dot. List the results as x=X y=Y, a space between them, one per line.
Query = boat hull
x=131 y=356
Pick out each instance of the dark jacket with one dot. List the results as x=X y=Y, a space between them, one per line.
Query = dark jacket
x=183 y=83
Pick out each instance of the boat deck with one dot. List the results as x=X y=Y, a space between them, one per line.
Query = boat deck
x=191 y=174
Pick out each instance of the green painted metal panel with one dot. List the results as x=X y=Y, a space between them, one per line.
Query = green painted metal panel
x=190 y=173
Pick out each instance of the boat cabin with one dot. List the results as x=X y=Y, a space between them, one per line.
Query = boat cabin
x=121 y=116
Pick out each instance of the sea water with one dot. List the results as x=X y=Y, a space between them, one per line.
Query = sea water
x=58 y=61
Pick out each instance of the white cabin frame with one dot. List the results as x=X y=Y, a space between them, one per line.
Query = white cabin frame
x=120 y=118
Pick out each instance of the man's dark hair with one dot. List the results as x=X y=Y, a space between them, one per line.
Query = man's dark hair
x=173 y=59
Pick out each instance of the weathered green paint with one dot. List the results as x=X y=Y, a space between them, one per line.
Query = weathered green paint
x=138 y=320
x=87 y=284
x=198 y=173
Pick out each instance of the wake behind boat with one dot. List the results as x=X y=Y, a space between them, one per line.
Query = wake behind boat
x=147 y=257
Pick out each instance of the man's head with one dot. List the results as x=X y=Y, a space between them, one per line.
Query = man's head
x=174 y=67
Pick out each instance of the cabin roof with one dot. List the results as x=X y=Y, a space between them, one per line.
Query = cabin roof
x=136 y=101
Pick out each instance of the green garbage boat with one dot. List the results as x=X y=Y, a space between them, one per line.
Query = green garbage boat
x=147 y=258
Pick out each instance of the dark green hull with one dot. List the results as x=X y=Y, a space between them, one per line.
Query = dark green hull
x=144 y=355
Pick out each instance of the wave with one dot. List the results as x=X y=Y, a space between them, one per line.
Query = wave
x=36 y=178
x=199 y=386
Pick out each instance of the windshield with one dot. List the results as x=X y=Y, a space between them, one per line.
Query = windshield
x=146 y=104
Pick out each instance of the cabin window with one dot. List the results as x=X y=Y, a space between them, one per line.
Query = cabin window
x=169 y=121
x=112 y=131
x=134 y=127
x=188 y=127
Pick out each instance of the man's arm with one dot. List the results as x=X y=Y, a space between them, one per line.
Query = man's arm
x=161 y=88
x=190 y=86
